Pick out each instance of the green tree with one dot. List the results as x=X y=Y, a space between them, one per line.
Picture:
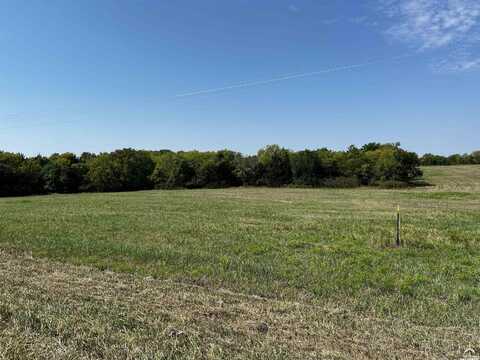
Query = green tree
x=218 y=170
x=248 y=170
x=173 y=171
x=122 y=170
x=274 y=163
x=19 y=175
x=62 y=174
x=306 y=168
x=476 y=157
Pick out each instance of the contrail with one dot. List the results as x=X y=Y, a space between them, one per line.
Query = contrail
x=287 y=77
x=224 y=88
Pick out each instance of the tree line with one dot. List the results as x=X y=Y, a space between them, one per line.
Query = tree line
x=455 y=159
x=129 y=169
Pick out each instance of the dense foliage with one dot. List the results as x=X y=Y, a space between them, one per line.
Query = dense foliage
x=128 y=169
x=455 y=159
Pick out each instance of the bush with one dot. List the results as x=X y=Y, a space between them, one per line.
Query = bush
x=341 y=182
x=393 y=184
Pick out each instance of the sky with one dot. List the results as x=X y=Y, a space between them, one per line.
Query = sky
x=98 y=75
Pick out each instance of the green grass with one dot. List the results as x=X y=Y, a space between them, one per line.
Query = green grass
x=54 y=311
x=450 y=178
x=310 y=246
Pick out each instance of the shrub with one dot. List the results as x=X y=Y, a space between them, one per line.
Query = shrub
x=341 y=182
x=392 y=184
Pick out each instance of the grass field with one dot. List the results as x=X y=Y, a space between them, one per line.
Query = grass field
x=243 y=273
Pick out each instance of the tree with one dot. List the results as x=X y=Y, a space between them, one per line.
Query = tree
x=431 y=159
x=218 y=170
x=61 y=178
x=274 y=163
x=19 y=175
x=173 y=171
x=391 y=163
x=306 y=168
x=63 y=174
x=328 y=159
x=476 y=157
x=129 y=169
x=371 y=146
x=248 y=170
x=86 y=157
x=122 y=170
x=408 y=165
x=8 y=179
x=104 y=174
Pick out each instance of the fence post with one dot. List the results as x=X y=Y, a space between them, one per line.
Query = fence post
x=399 y=240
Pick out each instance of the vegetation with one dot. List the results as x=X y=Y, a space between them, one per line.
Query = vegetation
x=52 y=311
x=311 y=270
x=128 y=169
x=456 y=159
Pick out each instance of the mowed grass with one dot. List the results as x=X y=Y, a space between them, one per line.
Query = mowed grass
x=324 y=248
x=53 y=311
x=451 y=178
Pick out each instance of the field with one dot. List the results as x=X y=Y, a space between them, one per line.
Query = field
x=243 y=273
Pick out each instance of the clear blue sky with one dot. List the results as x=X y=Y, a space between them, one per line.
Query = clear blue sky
x=96 y=75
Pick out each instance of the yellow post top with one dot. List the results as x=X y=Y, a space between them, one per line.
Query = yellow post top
x=398 y=208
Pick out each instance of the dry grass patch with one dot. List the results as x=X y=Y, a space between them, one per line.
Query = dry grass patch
x=56 y=311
